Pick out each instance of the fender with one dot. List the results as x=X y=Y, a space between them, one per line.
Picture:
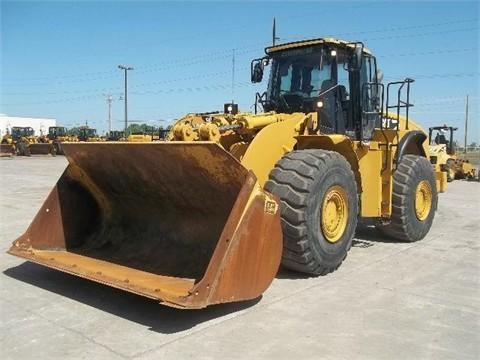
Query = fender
x=270 y=144
x=411 y=143
x=335 y=142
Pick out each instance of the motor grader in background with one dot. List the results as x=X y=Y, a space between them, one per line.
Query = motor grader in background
x=23 y=142
x=443 y=154
x=207 y=216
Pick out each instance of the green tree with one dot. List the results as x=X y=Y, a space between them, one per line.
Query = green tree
x=142 y=128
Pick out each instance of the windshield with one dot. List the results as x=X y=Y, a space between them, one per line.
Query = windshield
x=305 y=72
x=57 y=131
x=22 y=131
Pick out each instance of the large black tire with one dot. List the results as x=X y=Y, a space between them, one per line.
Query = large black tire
x=311 y=183
x=57 y=146
x=411 y=221
x=23 y=149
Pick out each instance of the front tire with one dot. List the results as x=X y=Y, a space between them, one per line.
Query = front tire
x=319 y=209
x=450 y=169
x=414 y=199
x=23 y=149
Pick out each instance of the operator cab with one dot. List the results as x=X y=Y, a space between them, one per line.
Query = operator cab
x=56 y=131
x=337 y=79
x=440 y=138
x=19 y=132
x=87 y=133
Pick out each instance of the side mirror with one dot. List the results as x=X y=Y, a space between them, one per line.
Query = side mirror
x=256 y=68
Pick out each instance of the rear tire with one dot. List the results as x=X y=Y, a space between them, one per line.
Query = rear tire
x=414 y=199
x=319 y=209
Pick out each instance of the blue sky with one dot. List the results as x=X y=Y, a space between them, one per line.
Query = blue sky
x=59 y=59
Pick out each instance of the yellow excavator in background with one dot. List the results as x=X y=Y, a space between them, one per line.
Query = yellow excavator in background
x=207 y=216
x=443 y=154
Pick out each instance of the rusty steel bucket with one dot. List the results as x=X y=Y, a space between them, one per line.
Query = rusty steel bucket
x=41 y=148
x=183 y=223
x=7 y=150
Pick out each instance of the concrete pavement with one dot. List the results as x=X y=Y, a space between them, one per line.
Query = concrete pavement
x=389 y=300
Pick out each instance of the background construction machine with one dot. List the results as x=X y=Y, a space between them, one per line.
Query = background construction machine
x=115 y=135
x=139 y=137
x=7 y=147
x=229 y=196
x=56 y=136
x=443 y=154
x=88 y=134
x=22 y=141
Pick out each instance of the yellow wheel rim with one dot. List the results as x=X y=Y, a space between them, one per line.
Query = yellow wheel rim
x=423 y=200
x=334 y=213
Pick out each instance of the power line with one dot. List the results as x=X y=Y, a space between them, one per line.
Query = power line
x=432 y=76
x=209 y=75
x=208 y=56
x=160 y=91
x=97 y=92
x=430 y=52
x=118 y=88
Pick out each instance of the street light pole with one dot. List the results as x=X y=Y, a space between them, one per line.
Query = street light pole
x=125 y=69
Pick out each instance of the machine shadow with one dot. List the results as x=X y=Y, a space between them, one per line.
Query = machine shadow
x=365 y=236
x=148 y=312
x=129 y=306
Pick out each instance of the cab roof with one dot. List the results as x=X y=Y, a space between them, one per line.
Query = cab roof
x=303 y=43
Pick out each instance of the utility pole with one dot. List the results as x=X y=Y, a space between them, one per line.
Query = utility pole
x=109 y=102
x=466 y=125
x=125 y=69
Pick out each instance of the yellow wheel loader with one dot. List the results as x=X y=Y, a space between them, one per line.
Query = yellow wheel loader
x=23 y=142
x=7 y=147
x=115 y=135
x=207 y=216
x=88 y=134
x=17 y=141
x=56 y=136
x=443 y=154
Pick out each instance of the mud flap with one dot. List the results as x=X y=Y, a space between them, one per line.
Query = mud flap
x=183 y=223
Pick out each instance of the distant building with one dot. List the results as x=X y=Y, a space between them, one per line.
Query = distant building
x=38 y=124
